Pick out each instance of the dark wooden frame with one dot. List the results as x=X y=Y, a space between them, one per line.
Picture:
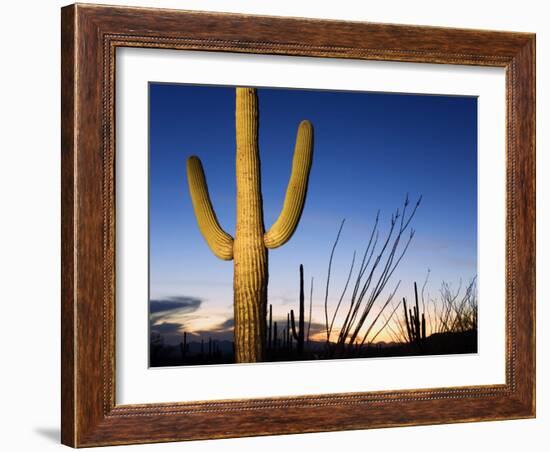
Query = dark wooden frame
x=90 y=35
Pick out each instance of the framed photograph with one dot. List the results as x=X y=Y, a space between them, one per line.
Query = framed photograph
x=281 y=225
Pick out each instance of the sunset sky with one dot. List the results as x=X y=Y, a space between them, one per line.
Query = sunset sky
x=371 y=149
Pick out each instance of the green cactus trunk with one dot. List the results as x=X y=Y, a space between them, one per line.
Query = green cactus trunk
x=249 y=252
x=249 y=248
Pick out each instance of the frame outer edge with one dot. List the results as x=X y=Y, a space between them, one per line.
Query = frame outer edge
x=68 y=242
x=86 y=419
x=534 y=226
x=526 y=134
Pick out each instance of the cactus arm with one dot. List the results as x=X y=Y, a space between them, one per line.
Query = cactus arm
x=219 y=241
x=281 y=231
x=293 y=325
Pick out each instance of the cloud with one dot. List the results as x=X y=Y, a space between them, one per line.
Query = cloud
x=182 y=304
x=316 y=328
x=227 y=324
x=220 y=335
x=284 y=300
x=317 y=332
x=166 y=315
x=221 y=331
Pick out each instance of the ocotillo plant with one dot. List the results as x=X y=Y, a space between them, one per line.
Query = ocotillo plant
x=376 y=267
x=249 y=247
x=299 y=334
x=455 y=312
x=416 y=328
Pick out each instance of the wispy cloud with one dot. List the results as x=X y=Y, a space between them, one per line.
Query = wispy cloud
x=221 y=331
x=166 y=309
x=226 y=325
x=182 y=304
x=282 y=299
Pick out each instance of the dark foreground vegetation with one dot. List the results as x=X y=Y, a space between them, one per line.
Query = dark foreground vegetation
x=222 y=351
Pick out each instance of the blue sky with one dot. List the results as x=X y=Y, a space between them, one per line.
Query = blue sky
x=370 y=150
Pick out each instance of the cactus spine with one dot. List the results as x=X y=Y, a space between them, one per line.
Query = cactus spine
x=249 y=248
x=299 y=334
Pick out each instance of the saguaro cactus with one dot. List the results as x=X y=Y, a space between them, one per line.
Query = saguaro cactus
x=249 y=247
x=416 y=328
x=270 y=328
x=183 y=346
x=299 y=333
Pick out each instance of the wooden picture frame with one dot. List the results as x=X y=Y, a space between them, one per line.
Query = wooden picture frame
x=90 y=36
